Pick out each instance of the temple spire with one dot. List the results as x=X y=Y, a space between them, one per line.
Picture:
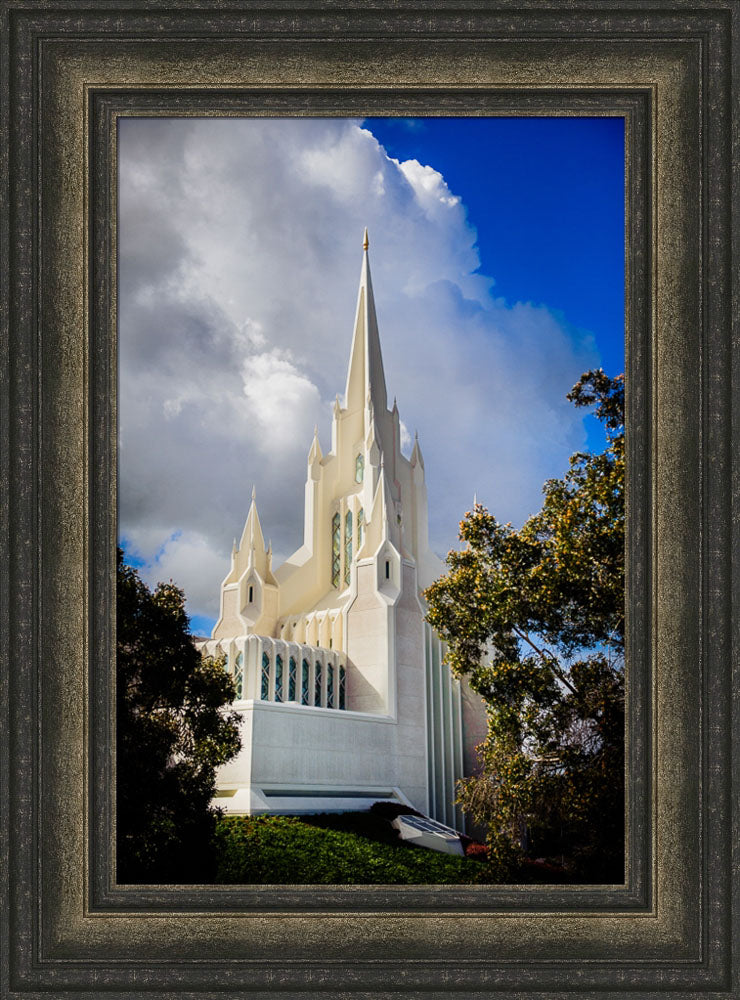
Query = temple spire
x=416 y=456
x=365 y=377
x=252 y=537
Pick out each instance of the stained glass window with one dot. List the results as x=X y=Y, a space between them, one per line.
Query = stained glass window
x=239 y=675
x=291 y=679
x=317 y=685
x=336 y=555
x=360 y=527
x=304 y=682
x=347 y=546
x=265 y=690
x=329 y=686
x=342 y=686
x=359 y=468
x=278 y=678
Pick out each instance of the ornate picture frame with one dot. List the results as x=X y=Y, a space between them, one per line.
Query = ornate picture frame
x=68 y=72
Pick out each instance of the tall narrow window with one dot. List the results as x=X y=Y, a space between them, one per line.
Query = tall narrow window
x=360 y=528
x=317 y=685
x=291 y=679
x=329 y=686
x=387 y=569
x=342 y=686
x=278 y=678
x=347 y=546
x=265 y=689
x=239 y=675
x=336 y=555
x=251 y=594
x=359 y=468
x=304 y=682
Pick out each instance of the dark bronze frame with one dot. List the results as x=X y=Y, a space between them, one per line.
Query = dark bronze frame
x=68 y=72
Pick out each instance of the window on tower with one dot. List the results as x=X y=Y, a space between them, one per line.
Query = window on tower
x=342 y=686
x=317 y=683
x=359 y=468
x=360 y=527
x=336 y=554
x=304 y=683
x=291 y=679
x=239 y=675
x=347 y=546
x=278 y=678
x=265 y=686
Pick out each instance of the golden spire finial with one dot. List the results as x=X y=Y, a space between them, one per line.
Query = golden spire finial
x=366 y=241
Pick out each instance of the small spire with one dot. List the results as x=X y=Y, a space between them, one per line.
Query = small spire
x=416 y=456
x=314 y=452
x=475 y=500
x=366 y=241
x=252 y=534
x=395 y=405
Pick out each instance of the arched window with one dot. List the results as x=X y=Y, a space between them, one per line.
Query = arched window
x=278 y=678
x=336 y=554
x=304 y=682
x=342 y=686
x=239 y=675
x=360 y=527
x=329 y=686
x=317 y=685
x=359 y=468
x=265 y=689
x=347 y=546
x=291 y=679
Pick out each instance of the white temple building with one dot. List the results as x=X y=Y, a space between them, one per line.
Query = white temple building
x=341 y=685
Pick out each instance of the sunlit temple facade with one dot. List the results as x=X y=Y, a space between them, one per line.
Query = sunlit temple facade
x=343 y=692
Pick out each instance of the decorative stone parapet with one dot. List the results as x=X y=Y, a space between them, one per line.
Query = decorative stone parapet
x=267 y=669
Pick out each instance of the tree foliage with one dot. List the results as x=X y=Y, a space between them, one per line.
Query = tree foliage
x=535 y=618
x=172 y=734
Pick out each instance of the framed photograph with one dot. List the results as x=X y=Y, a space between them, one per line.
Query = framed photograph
x=84 y=87
x=254 y=349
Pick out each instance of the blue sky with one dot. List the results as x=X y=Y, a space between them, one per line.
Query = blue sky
x=554 y=233
x=497 y=251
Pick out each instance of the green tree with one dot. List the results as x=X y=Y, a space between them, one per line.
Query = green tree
x=172 y=734
x=535 y=619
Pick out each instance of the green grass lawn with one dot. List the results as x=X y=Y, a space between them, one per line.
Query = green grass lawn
x=346 y=849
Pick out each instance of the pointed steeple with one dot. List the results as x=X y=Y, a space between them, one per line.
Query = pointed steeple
x=416 y=456
x=315 y=454
x=365 y=377
x=252 y=536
